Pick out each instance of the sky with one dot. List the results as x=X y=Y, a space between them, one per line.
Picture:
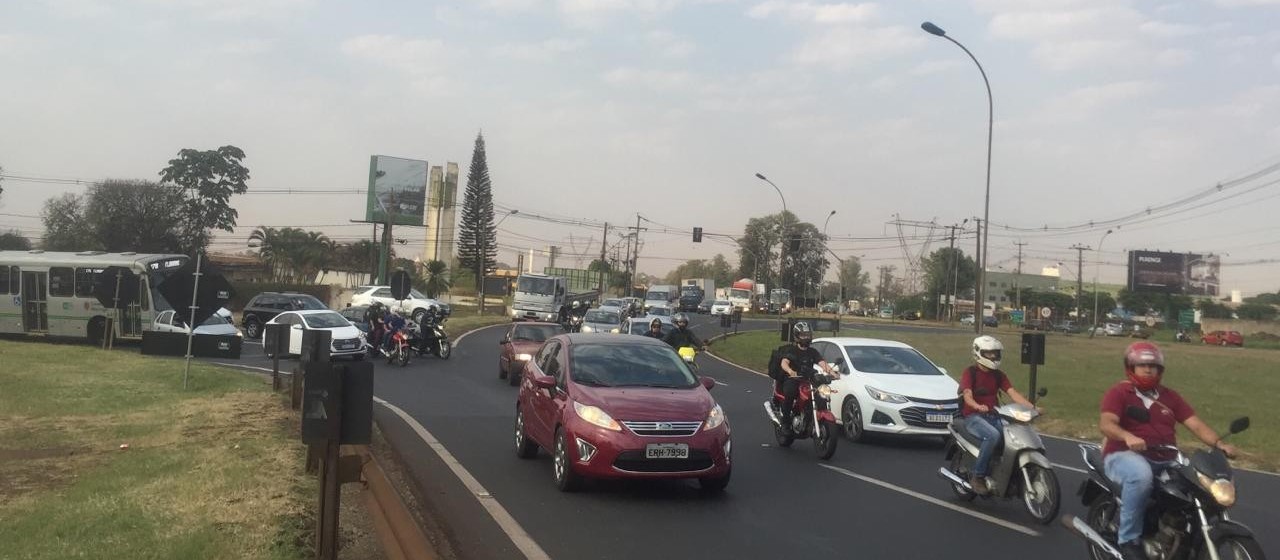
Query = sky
x=595 y=111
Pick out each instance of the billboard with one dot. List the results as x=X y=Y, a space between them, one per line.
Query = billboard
x=397 y=190
x=1174 y=273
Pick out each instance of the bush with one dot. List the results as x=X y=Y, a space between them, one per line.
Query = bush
x=1256 y=312
x=1210 y=309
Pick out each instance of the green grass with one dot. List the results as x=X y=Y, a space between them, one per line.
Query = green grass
x=212 y=471
x=1221 y=383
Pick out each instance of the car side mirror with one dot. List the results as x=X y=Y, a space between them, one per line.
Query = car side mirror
x=1137 y=413
x=1239 y=425
x=504 y=341
x=707 y=382
x=544 y=382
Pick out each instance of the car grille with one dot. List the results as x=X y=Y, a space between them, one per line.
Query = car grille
x=663 y=428
x=346 y=344
x=634 y=461
x=915 y=415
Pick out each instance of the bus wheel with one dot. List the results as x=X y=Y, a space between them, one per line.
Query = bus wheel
x=97 y=329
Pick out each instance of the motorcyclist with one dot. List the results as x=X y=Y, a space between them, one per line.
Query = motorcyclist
x=681 y=335
x=394 y=322
x=980 y=387
x=655 y=329
x=373 y=316
x=1128 y=457
x=797 y=363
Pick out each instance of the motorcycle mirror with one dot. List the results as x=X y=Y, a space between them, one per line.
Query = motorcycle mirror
x=1042 y=392
x=1239 y=425
x=707 y=382
x=1137 y=413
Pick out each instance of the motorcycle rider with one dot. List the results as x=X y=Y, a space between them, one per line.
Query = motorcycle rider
x=980 y=386
x=373 y=316
x=797 y=362
x=394 y=322
x=681 y=335
x=1127 y=457
x=655 y=329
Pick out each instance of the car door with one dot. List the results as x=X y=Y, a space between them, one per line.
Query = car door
x=294 y=323
x=541 y=402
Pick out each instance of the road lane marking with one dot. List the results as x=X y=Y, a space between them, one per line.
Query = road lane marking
x=936 y=501
x=509 y=525
x=458 y=340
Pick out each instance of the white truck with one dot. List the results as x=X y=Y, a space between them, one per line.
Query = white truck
x=661 y=294
x=539 y=297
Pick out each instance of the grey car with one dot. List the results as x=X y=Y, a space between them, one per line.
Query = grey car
x=607 y=319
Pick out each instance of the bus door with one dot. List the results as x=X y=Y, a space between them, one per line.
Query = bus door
x=131 y=317
x=35 y=306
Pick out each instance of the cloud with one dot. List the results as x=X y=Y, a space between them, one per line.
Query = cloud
x=1082 y=22
x=1275 y=61
x=245 y=47
x=543 y=51
x=593 y=12
x=413 y=56
x=932 y=67
x=656 y=80
x=1085 y=100
x=235 y=10
x=1253 y=102
x=1246 y=3
x=808 y=12
x=510 y=6
x=843 y=47
x=78 y=8
x=13 y=45
x=670 y=44
x=1169 y=30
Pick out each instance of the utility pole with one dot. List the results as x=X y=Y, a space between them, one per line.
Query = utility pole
x=604 y=242
x=1017 y=278
x=633 y=254
x=1080 y=249
x=948 y=286
x=979 y=303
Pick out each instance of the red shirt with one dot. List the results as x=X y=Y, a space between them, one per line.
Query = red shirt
x=984 y=385
x=1166 y=412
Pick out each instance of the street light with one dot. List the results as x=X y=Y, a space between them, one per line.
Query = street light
x=824 y=241
x=782 y=249
x=1096 y=265
x=980 y=304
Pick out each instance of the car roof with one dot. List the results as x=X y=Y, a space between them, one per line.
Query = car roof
x=857 y=341
x=310 y=311
x=608 y=308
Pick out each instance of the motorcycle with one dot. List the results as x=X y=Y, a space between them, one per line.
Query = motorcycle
x=429 y=338
x=573 y=324
x=1018 y=469
x=1181 y=336
x=400 y=348
x=811 y=417
x=1186 y=515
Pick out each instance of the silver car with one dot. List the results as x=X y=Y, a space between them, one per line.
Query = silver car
x=217 y=324
x=606 y=319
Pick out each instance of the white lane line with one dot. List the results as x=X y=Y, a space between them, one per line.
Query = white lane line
x=458 y=340
x=509 y=525
x=935 y=501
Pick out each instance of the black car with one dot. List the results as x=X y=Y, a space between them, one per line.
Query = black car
x=266 y=305
x=705 y=306
x=355 y=314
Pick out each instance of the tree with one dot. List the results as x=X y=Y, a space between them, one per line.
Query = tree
x=806 y=261
x=1 y=179
x=1167 y=305
x=853 y=279
x=757 y=244
x=1256 y=312
x=13 y=240
x=1264 y=298
x=134 y=215
x=1210 y=309
x=437 y=279
x=208 y=179
x=477 y=235
x=65 y=228
x=947 y=270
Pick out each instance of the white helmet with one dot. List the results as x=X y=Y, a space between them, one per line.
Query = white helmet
x=987 y=351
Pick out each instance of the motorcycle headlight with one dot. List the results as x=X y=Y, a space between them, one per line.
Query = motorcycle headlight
x=714 y=418
x=1023 y=416
x=1222 y=490
x=615 y=331
x=596 y=417
x=885 y=396
x=825 y=391
x=524 y=357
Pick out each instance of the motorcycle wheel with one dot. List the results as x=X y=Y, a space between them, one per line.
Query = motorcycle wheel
x=1043 y=498
x=957 y=467
x=402 y=356
x=826 y=436
x=391 y=358
x=445 y=349
x=1236 y=548
x=1104 y=518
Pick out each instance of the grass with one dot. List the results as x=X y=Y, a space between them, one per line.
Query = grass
x=1221 y=383
x=213 y=471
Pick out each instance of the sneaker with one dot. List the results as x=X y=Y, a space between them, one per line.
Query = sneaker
x=979 y=485
x=1132 y=550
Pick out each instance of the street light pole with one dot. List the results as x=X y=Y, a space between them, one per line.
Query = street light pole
x=986 y=209
x=782 y=249
x=824 y=241
x=1097 y=264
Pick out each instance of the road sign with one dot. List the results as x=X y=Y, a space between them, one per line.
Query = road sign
x=400 y=284
x=1045 y=312
x=1016 y=316
x=1151 y=321
x=1186 y=318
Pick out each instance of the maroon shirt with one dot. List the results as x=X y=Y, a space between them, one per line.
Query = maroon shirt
x=1166 y=412
x=986 y=389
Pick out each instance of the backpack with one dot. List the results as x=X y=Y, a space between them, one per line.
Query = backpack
x=775 y=362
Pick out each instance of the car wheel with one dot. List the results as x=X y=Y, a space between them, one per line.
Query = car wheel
x=514 y=377
x=851 y=419
x=418 y=315
x=562 y=466
x=714 y=484
x=525 y=447
x=97 y=329
x=252 y=327
x=502 y=370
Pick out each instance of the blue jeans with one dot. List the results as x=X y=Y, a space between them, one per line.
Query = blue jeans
x=1133 y=473
x=990 y=430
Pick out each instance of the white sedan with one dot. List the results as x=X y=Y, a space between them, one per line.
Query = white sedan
x=721 y=307
x=345 y=338
x=888 y=387
x=217 y=324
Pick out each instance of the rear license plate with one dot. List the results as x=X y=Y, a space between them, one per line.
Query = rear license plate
x=938 y=418
x=666 y=451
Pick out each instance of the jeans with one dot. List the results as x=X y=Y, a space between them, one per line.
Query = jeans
x=1133 y=473
x=990 y=430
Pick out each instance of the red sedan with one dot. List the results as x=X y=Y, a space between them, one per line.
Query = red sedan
x=519 y=344
x=1223 y=338
x=620 y=407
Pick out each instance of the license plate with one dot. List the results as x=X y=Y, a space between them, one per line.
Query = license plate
x=942 y=418
x=666 y=451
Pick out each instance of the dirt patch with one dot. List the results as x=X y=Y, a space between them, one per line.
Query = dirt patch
x=27 y=471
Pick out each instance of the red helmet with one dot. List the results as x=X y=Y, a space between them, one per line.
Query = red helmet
x=1142 y=353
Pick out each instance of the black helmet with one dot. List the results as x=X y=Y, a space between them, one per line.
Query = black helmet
x=801 y=333
x=680 y=319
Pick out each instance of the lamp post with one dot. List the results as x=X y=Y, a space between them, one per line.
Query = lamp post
x=824 y=241
x=1096 y=265
x=782 y=249
x=980 y=304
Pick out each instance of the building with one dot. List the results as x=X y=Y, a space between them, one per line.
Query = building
x=999 y=283
x=441 y=216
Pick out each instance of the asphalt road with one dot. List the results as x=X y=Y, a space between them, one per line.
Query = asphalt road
x=881 y=499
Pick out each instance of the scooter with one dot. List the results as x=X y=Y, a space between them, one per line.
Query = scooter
x=1019 y=468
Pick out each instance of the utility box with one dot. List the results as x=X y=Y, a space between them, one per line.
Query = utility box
x=1033 y=348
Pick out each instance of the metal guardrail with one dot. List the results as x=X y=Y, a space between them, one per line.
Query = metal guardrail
x=399 y=533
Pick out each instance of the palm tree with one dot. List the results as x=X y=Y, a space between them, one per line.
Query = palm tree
x=269 y=249
x=437 y=278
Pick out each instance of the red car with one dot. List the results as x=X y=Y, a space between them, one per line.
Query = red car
x=620 y=407
x=519 y=344
x=1223 y=338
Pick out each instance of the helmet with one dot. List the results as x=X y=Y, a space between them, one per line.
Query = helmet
x=1140 y=353
x=575 y=304
x=987 y=351
x=680 y=319
x=801 y=333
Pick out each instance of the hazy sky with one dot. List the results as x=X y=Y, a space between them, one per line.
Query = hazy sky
x=597 y=110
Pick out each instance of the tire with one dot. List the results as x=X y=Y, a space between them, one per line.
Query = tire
x=783 y=439
x=357 y=357
x=825 y=438
x=514 y=378
x=402 y=356
x=96 y=330
x=445 y=349
x=502 y=371
x=957 y=468
x=1044 y=502
x=1103 y=517
x=418 y=315
x=525 y=447
x=851 y=419
x=714 y=485
x=1236 y=548
x=561 y=467
x=252 y=327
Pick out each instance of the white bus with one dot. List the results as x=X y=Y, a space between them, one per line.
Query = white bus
x=51 y=294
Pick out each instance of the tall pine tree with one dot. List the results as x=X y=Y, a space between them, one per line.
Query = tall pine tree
x=477 y=236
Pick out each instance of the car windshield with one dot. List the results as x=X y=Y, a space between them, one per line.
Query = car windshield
x=415 y=294
x=721 y=302
x=629 y=365
x=536 y=333
x=306 y=302
x=214 y=320
x=597 y=316
x=614 y=303
x=663 y=311
x=325 y=320
x=656 y=296
x=531 y=285
x=890 y=359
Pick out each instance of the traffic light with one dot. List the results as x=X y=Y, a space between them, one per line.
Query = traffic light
x=697 y=235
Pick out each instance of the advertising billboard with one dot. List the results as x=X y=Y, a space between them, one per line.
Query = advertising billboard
x=1174 y=273
x=397 y=190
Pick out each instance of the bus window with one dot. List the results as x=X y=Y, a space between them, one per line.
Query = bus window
x=8 y=286
x=85 y=279
x=61 y=281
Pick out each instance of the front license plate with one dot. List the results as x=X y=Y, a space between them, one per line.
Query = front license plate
x=666 y=451
x=939 y=418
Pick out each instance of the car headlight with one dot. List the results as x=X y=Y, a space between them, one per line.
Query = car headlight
x=886 y=396
x=1222 y=490
x=596 y=417
x=524 y=357
x=587 y=328
x=615 y=331
x=714 y=418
